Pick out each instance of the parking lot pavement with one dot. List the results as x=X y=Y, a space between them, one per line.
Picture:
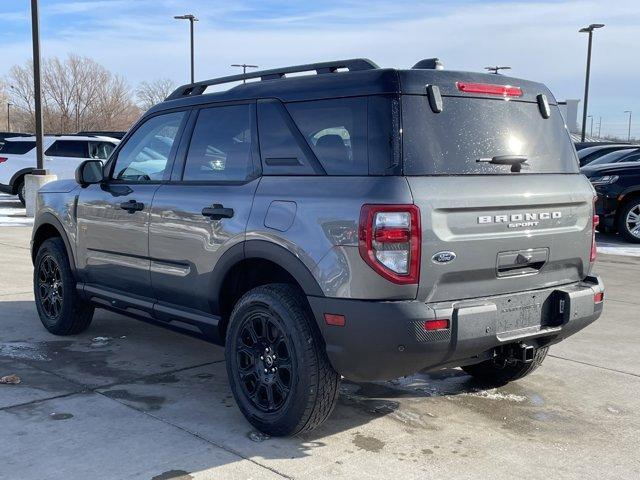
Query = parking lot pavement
x=128 y=400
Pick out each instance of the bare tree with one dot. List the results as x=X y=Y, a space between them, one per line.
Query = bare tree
x=78 y=94
x=152 y=93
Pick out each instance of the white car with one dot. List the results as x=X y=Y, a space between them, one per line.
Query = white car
x=62 y=154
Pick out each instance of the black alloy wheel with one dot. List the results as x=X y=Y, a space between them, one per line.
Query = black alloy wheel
x=50 y=287
x=265 y=363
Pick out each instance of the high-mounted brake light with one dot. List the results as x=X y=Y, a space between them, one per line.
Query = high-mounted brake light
x=595 y=223
x=389 y=241
x=489 y=89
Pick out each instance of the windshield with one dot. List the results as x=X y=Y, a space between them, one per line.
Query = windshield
x=612 y=157
x=470 y=132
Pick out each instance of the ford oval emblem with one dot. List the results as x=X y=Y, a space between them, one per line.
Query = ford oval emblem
x=443 y=257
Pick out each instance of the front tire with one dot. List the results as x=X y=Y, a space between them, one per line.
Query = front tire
x=499 y=371
x=278 y=369
x=60 y=309
x=629 y=221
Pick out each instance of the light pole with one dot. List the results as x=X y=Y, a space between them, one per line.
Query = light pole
x=588 y=30
x=244 y=67
x=629 y=131
x=9 y=105
x=591 y=127
x=191 y=18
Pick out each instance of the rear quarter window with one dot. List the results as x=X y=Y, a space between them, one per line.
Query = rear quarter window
x=336 y=131
x=468 y=129
x=16 y=147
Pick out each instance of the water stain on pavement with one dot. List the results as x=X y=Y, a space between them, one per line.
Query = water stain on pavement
x=173 y=475
x=149 y=402
x=60 y=416
x=368 y=443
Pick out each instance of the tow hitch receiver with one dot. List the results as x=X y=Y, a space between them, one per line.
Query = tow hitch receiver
x=520 y=352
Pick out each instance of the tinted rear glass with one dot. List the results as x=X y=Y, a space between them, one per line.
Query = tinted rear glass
x=16 y=148
x=336 y=131
x=468 y=129
x=68 y=148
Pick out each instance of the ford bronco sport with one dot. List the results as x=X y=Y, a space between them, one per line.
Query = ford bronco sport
x=356 y=221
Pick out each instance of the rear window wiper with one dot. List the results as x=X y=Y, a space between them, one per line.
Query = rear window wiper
x=516 y=161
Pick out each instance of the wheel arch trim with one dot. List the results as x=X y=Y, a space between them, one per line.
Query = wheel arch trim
x=48 y=219
x=261 y=249
x=20 y=173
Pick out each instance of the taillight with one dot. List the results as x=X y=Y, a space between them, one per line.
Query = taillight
x=3 y=159
x=389 y=241
x=595 y=223
x=489 y=89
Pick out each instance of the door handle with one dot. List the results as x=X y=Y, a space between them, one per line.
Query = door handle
x=217 y=212
x=132 y=206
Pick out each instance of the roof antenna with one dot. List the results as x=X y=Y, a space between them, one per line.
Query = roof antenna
x=495 y=69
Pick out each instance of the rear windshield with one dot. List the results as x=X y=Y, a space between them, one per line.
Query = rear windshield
x=470 y=129
x=16 y=148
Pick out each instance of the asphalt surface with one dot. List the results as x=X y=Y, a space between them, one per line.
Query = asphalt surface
x=126 y=400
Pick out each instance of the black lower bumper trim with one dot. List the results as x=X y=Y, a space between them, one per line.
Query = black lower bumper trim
x=382 y=340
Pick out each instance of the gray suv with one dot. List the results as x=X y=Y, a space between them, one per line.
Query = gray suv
x=356 y=221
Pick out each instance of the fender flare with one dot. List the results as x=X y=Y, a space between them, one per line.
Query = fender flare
x=17 y=175
x=627 y=192
x=267 y=251
x=48 y=218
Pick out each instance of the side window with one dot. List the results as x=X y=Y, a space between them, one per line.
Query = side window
x=100 y=150
x=68 y=148
x=220 y=148
x=632 y=158
x=282 y=148
x=336 y=131
x=144 y=157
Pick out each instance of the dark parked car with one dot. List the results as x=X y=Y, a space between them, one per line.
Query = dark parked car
x=582 y=145
x=588 y=155
x=618 y=204
x=624 y=155
x=355 y=221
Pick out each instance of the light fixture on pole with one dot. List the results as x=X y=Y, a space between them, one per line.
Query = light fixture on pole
x=244 y=67
x=192 y=19
x=629 y=130
x=588 y=30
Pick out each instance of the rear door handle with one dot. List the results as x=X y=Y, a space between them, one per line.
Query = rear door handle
x=217 y=212
x=132 y=206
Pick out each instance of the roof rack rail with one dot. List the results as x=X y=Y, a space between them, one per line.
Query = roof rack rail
x=198 y=88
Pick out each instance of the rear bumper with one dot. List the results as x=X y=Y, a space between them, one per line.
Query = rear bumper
x=384 y=340
x=6 y=188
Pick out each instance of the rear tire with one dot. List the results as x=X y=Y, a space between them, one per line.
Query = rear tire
x=496 y=372
x=60 y=309
x=629 y=221
x=21 y=191
x=278 y=369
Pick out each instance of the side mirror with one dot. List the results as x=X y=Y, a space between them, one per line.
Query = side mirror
x=89 y=172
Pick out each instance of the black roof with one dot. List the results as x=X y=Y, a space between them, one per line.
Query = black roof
x=341 y=78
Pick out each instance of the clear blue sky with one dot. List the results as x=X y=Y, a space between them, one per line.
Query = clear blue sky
x=140 y=40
